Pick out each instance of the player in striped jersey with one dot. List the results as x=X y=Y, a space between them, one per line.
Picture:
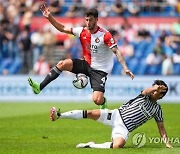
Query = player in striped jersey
x=98 y=47
x=124 y=120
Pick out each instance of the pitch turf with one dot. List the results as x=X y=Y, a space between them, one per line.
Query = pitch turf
x=25 y=128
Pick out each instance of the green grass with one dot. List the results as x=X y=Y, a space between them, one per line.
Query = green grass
x=25 y=128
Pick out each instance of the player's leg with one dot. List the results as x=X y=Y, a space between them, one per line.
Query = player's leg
x=105 y=117
x=74 y=114
x=118 y=142
x=99 y=99
x=65 y=65
x=98 y=80
x=119 y=131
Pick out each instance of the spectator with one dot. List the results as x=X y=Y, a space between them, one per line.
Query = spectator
x=55 y=7
x=75 y=10
x=146 y=6
x=176 y=58
x=143 y=34
x=37 y=40
x=167 y=48
x=127 y=49
x=167 y=66
x=41 y=67
x=36 y=4
x=23 y=7
x=103 y=9
x=134 y=8
x=176 y=27
x=128 y=32
x=118 y=8
x=49 y=45
x=11 y=33
x=1 y=12
x=25 y=46
x=27 y=19
x=89 y=3
x=158 y=47
x=154 y=58
x=178 y=7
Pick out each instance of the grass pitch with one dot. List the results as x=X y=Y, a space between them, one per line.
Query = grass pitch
x=25 y=128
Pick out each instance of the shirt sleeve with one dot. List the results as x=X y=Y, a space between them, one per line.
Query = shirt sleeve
x=109 y=40
x=158 y=116
x=77 y=31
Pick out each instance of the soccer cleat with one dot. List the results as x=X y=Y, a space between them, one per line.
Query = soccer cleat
x=84 y=145
x=35 y=86
x=54 y=115
x=104 y=105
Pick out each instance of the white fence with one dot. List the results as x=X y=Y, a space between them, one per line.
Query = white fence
x=118 y=89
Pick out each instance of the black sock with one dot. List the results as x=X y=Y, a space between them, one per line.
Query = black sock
x=53 y=74
x=84 y=113
x=111 y=146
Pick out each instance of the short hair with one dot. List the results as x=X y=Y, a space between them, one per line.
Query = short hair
x=161 y=82
x=91 y=12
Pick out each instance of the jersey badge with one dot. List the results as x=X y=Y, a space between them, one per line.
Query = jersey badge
x=97 y=40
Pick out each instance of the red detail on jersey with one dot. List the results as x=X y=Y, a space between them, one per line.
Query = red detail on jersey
x=85 y=38
x=108 y=39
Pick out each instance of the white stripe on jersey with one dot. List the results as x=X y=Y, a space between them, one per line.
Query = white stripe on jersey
x=139 y=110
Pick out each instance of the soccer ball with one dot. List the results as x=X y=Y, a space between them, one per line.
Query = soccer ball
x=81 y=81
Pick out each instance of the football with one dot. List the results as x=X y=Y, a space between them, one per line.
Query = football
x=80 y=81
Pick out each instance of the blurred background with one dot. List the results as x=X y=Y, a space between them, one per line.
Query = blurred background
x=147 y=33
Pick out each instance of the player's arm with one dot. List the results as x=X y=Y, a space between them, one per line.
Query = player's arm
x=149 y=91
x=122 y=61
x=163 y=134
x=47 y=14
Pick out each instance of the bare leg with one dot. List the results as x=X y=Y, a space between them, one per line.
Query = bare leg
x=98 y=97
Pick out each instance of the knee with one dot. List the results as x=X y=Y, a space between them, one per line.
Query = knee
x=98 y=100
x=65 y=65
x=60 y=65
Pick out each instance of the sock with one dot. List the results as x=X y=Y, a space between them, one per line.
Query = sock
x=53 y=74
x=74 y=114
x=106 y=145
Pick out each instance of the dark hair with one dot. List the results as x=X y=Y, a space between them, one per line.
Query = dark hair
x=160 y=82
x=91 y=12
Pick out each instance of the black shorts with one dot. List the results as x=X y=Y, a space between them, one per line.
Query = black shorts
x=97 y=78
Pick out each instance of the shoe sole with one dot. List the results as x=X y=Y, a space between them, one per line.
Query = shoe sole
x=52 y=112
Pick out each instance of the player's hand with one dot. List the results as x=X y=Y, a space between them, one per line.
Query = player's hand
x=45 y=11
x=129 y=73
x=168 y=145
x=160 y=88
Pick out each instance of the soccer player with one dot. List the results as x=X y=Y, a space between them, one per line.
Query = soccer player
x=125 y=119
x=98 y=47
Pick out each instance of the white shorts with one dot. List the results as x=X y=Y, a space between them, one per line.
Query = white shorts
x=113 y=119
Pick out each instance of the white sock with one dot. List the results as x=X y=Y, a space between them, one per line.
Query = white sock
x=106 y=145
x=74 y=114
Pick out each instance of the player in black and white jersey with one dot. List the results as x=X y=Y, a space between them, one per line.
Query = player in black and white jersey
x=124 y=120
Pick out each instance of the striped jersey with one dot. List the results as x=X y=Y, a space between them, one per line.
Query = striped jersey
x=96 y=47
x=139 y=110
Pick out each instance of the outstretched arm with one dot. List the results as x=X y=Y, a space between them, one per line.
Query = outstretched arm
x=122 y=61
x=47 y=14
x=149 y=91
x=163 y=134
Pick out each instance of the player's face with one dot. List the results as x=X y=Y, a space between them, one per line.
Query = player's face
x=156 y=95
x=91 y=22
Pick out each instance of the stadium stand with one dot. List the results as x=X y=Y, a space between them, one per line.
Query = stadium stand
x=19 y=20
